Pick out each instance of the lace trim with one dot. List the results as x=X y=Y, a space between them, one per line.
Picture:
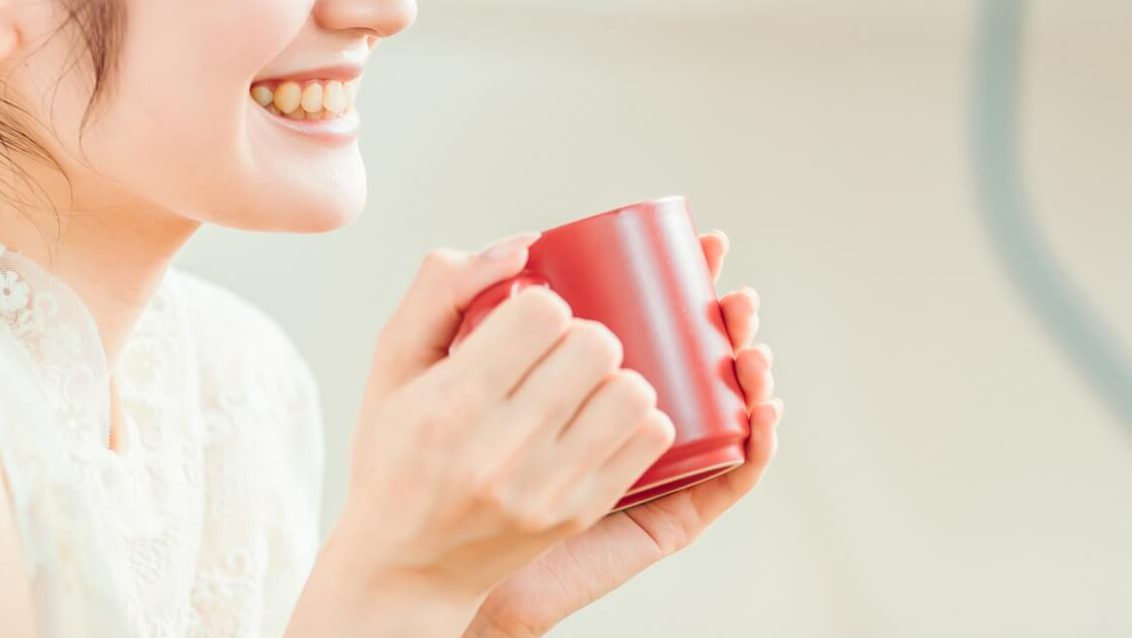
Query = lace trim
x=56 y=330
x=206 y=524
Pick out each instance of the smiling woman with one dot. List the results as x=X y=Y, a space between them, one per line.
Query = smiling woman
x=161 y=438
x=107 y=166
x=172 y=105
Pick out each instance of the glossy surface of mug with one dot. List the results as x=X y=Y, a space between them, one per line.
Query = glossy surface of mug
x=641 y=271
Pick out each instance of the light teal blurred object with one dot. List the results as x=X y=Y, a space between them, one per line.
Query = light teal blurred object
x=1068 y=316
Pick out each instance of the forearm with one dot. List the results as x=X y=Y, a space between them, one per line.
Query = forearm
x=348 y=596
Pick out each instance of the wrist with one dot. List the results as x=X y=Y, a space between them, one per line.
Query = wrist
x=352 y=591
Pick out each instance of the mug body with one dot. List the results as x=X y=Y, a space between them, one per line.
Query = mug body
x=641 y=271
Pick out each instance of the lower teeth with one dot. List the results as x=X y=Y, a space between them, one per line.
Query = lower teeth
x=301 y=114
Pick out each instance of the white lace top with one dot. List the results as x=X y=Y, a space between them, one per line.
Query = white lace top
x=206 y=524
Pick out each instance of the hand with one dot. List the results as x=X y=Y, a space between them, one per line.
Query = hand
x=585 y=567
x=466 y=466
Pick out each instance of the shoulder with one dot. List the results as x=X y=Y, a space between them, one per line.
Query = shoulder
x=219 y=314
x=251 y=373
x=247 y=361
x=234 y=334
x=261 y=410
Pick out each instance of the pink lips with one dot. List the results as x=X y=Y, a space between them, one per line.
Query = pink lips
x=336 y=122
x=340 y=72
x=340 y=130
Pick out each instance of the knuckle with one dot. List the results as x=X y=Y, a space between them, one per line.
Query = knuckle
x=542 y=307
x=575 y=524
x=446 y=390
x=555 y=410
x=438 y=261
x=432 y=427
x=485 y=487
x=597 y=342
x=658 y=429
x=492 y=490
x=633 y=389
x=529 y=415
x=586 y=518
x=531 y=519
x=466 y=394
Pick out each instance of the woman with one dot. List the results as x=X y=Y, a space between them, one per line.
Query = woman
x=160 y=438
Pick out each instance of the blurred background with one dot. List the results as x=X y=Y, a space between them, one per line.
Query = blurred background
x=947 y=465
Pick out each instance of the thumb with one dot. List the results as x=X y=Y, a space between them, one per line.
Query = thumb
x=422 y=326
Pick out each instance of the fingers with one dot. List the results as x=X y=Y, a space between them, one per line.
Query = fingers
x=556 y=388
x=652 y=437
x=715 y=245
x=761 y=446
x=418 y=333
x=766 y=353
x=610 y=416
x=753 y=367
x=584 y=469
x=495 y=357
x=740 y=315
x=564 y=464
x=713 y=497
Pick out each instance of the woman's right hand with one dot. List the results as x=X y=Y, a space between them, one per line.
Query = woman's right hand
x=469 y=465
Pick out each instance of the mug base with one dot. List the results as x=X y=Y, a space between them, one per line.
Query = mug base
x=700 y=468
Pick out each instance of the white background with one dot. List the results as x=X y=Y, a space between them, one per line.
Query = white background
x=944 y=470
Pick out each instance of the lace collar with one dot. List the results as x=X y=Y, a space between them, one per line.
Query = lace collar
x=57 y=336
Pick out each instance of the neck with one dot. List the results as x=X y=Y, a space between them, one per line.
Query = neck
x=113 y=254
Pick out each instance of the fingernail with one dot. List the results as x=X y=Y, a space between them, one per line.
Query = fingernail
x=779 y=406
x=753 y=294
x=768 y=354
x=723 y=235
x=510 y=244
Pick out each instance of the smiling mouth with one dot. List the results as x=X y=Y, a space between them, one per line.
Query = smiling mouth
x=306 y=100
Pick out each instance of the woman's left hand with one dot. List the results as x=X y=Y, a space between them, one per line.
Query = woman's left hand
x=586 y=567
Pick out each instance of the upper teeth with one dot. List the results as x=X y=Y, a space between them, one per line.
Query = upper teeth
x=314 y=99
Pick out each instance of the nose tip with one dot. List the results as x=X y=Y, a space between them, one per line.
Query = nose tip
x=381 y=18
x=396 y=16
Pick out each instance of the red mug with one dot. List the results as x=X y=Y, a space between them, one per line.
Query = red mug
x=640 y=270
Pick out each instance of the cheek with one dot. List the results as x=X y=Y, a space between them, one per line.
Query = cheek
x=175 y=127
x=188 y=64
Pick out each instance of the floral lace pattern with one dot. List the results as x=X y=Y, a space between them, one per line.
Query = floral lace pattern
x=206 y=523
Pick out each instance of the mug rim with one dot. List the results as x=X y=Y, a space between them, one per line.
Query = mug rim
x=652 y=203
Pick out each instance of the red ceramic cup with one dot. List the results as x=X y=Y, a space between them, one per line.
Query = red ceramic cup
x=641 y=271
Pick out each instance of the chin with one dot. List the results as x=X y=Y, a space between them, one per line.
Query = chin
x=318 y=216
x=322 y=219
x=329 y=211
x=297 y=213
x=317 y=201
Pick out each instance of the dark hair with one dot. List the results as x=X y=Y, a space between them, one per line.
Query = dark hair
x=99 y=26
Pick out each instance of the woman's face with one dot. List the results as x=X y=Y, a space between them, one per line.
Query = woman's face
x=182 y=127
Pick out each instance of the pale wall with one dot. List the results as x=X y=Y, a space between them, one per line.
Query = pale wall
x=944 y=471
